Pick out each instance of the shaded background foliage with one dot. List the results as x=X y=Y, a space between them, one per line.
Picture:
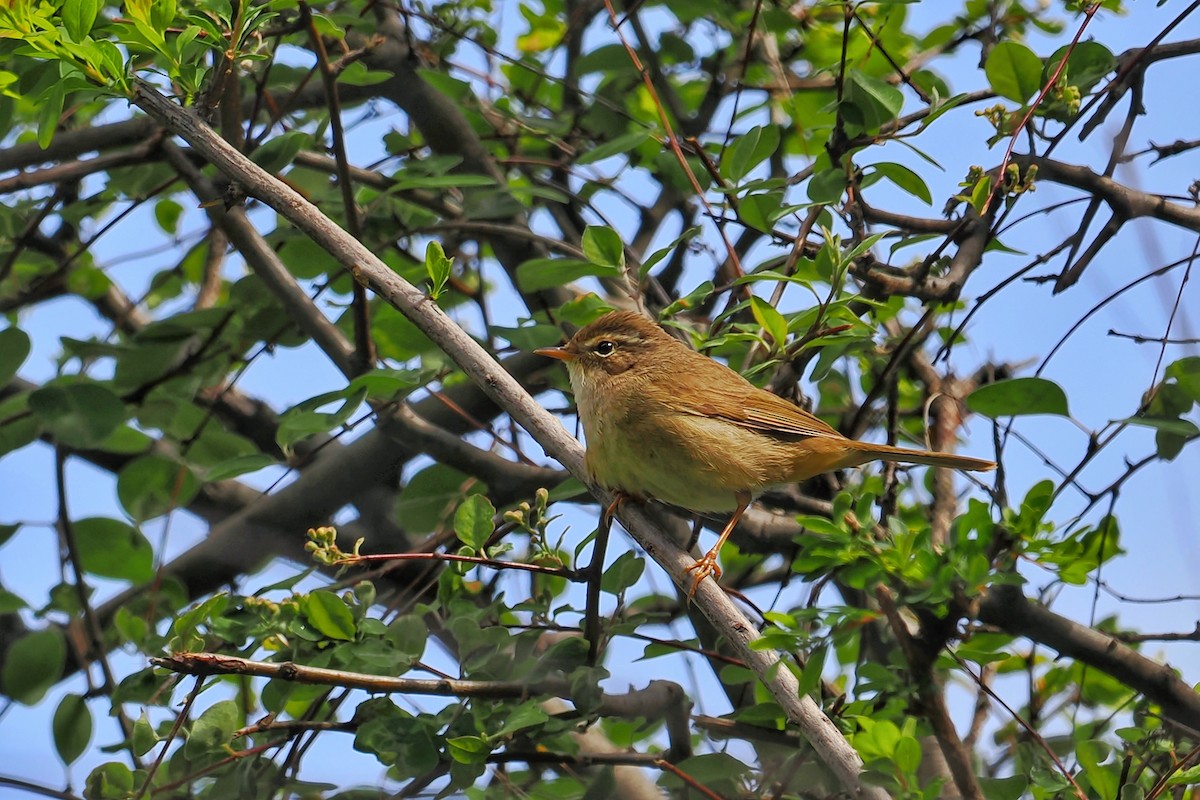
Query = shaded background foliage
x=881 y=210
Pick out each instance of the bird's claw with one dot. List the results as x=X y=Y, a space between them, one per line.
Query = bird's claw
x=703 y=568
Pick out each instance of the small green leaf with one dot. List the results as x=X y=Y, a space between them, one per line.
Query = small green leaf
x=771 y=321
x=906 y=179
x=109 y=781
x=72 y=728
x=153 y=485
x=238 y=465
x=623 y=573
x=14 y=349
x=526 y=715
x=1104 y=779
x=981 y=192
x=1014 y=71
x=603 y=246
x=437 y=266
x=870 y=102
x=33 y=664
x=357 y=74
x=78 y=17
x=78 y=414
x=144 y=736
x=1185 y=371
x=1019 y=397
x=167 y=213
x=1010 y=788
x=469 y=749
x=473 y=521
x=1178 y=427
x=328 y=614
x=908 y=755
x=546 y=273
x=10 y=602
x=748 y=151
x=827 y=185
x=213 y=729
x=617 y=146
x=279 y=151
x=1089 y=62
x=112 y=549
x=304 y=420
x=49 y=109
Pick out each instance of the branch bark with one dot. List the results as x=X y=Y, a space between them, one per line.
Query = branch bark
x=828 y=742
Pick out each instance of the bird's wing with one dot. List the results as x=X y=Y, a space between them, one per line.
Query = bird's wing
x=740 y=402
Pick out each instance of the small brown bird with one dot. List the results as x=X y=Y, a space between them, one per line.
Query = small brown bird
x=668 y=423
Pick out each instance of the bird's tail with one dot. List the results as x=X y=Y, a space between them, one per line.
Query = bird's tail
x=885 y=452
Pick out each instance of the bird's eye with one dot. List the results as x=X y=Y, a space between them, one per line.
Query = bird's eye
x=605 y=348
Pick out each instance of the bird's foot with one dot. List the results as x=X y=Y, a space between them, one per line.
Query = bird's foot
x=703 y=568
x=619 y=497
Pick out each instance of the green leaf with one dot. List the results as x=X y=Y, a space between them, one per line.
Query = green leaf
x=621 y=144
x=424 y=503
x=602 y=246
x=1103 y=779
x=78 y=414
x=1089 y=62
x=49 y=109
x=78 y=17
x=906 y=179
x=10 y=602
x=33 y=664
x=154 y=485
x=144 y=736
x=1185 y=371
x=771 y=320
x=111 y=548
x=357 y=74
x=908 y=755
x=1019 y=397
x=437 y=266
x=473 y=521
x=469 y=749
x=166 y=214
x=1179 y=427
x=748 y=151
x=717 y=772
x=827 y=185
x=14 y=349
x=279 y=151
x=623 y=573
x=1010 y=788
x=213 y=730
x=546 y=273
x=304 y=420
x=870 y=102
x=329 y=615
x=238 y=465
x=72 y=728
x=1014 y=71
x=110 y=781
x=527 y=715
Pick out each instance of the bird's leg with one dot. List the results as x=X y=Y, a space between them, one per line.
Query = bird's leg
x=708 y=565
x=619 y=497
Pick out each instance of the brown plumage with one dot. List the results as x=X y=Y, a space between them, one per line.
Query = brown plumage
x=665 y=422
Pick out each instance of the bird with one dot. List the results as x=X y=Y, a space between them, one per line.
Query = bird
x=664 y=422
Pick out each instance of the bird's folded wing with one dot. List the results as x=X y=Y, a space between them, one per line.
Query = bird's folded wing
x=751 y=407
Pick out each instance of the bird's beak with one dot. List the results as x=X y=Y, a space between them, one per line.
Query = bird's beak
x=561 y=353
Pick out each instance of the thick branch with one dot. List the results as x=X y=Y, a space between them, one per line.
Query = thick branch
x=1007 y=608
x=831 y=746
